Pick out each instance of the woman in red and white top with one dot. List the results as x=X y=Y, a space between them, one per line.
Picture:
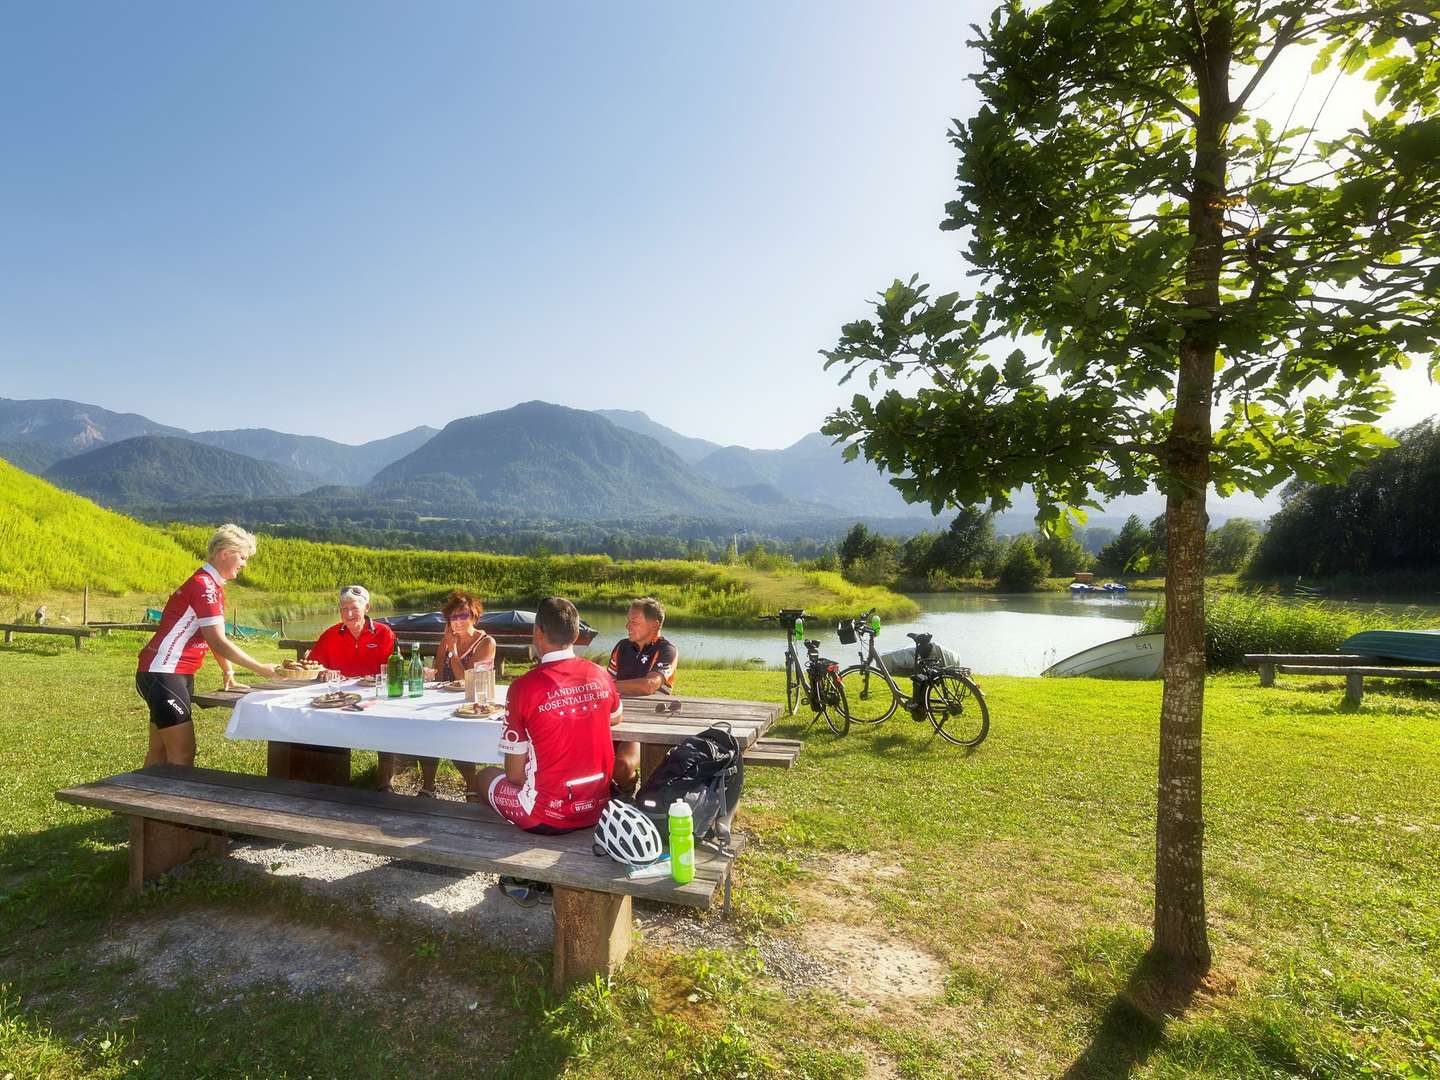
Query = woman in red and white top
x=192 y=624
x=463 y=646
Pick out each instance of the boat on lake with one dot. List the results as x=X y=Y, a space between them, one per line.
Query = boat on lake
x=506 y=627
x=1084 y=588
x=1418 y=646
x=1138 y=657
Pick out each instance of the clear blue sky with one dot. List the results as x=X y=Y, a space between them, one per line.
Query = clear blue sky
x=243 y=215
x=440 y=209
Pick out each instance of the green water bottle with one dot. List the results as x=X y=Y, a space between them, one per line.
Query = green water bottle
x=875 y=624
x=416 y=682
x=799 y=629
x=682 y=842
x=395 y=674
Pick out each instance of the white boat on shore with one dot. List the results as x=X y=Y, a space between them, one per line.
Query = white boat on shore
x=1138 y=657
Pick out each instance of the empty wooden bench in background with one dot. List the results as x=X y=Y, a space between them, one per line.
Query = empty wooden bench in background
x=1353 y=666
x=78 y=633
x=178 y=813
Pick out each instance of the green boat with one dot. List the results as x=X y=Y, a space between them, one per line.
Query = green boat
x=231 y=630
x=1418 y=646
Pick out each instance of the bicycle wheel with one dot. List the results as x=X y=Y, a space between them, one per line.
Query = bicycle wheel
x=793 y=689
x=833 y=703
x=872 y=698
x=956 y=708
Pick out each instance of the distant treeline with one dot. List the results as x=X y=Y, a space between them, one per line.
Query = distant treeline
x=342 y=519
x=970 y=549
x=1384 y=519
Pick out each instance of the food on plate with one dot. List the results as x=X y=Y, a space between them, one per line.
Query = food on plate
x=335 y=699
x=454 y=684
x=473 y=710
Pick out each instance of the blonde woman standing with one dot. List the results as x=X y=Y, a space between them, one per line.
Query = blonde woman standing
x=192 y=624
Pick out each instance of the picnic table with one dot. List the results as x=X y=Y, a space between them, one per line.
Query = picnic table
x=310 y=744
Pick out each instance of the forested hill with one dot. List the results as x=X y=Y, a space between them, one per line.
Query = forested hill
x=152 y=469
x=551 y=461
x=55 y=540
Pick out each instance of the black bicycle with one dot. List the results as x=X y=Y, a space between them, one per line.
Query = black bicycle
x=945 y=695
x=816 y=680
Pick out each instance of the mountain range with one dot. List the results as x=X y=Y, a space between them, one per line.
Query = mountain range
x=534 y=460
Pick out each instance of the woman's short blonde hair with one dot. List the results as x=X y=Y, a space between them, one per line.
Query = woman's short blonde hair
x=230 y=536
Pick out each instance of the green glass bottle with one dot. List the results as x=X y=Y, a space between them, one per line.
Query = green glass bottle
x=395 y=674
x=416 y=682
x=682 y=842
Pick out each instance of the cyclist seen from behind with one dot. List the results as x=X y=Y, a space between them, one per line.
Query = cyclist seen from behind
x=644 y=663
x=556 y=745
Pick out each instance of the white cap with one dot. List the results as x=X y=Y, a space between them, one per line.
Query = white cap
x=356 y=590
x=680 y=808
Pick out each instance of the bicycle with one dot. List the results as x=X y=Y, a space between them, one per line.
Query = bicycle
x=816 y=681
x=947 y=696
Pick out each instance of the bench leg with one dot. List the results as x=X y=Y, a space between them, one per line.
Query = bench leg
x=309 y=764
x=1354 y=689
x=592 y=935
x=1267 y=674
x=158 y=846
x=9 y=636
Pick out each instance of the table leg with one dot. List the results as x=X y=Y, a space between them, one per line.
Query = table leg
x=651 y=755
x=310 y=764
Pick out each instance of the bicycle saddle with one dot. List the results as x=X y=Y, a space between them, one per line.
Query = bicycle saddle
x=811 y=646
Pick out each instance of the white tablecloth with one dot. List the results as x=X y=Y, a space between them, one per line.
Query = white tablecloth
x=421 y=727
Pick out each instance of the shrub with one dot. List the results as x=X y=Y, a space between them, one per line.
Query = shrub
x=1240 y=623
x=1024 y=570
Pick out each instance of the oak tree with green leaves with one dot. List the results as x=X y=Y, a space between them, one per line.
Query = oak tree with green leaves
x=1174 y=291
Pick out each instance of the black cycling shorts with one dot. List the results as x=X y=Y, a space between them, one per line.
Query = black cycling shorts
x=168 y=696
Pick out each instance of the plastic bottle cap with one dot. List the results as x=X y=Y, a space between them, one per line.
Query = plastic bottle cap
x=680 y=808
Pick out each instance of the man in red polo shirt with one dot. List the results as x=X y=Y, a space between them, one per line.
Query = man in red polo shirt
x=356 y=645
x=557 y=748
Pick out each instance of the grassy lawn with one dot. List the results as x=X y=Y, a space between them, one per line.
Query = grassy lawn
x=1019 y=874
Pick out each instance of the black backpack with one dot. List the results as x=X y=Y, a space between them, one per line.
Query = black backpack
x=705 y=770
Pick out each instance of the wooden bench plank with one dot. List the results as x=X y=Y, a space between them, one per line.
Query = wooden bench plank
x=776 y=752
x=1255 y=659
x=1378 y=672
x=395 y=832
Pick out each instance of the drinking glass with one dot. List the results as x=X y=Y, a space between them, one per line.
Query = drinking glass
x=333 y=679
x=484 y=682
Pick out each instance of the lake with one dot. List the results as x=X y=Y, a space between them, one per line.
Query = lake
x=993 y=634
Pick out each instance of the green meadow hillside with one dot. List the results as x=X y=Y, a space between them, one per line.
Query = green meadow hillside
x=53 y=542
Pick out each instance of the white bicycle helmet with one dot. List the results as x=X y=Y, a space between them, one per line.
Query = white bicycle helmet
x=627 y=835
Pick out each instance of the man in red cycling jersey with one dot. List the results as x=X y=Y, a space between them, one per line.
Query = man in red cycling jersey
x=558 y=753
x=356 y=645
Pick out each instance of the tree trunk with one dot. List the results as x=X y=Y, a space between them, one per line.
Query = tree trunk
x=1181 y=938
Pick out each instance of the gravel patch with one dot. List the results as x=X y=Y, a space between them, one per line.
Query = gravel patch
x=436 y=896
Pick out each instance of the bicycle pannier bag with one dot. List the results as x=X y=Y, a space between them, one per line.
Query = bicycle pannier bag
x=845 y=631
x=706 y=771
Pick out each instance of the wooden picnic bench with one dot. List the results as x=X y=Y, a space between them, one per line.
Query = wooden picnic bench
x=78 y=633
x=428 y=644
x=1355 y=667
x=177 y=813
